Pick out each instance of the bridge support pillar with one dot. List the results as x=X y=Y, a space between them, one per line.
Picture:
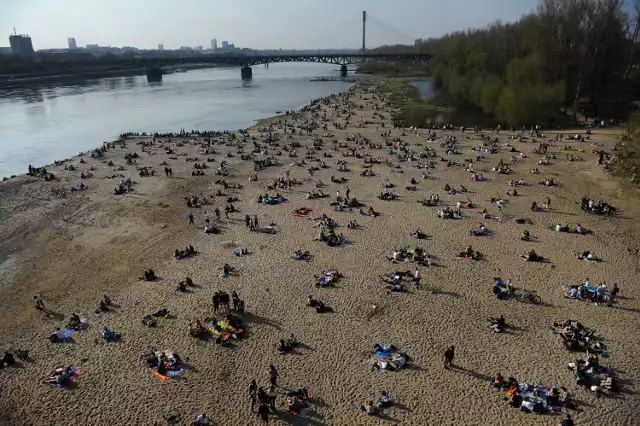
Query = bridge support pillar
x=343 y=71
x=154 y=74
x=246 y=72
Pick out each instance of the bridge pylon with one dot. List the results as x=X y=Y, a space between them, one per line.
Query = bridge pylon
x=246 y=73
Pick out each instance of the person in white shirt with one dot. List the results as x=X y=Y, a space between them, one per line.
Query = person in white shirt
x=368 y=408
x=417 y=278
x=202 y=419
x=396 y=255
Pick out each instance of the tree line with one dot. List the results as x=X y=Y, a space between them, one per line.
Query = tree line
x=577 y=57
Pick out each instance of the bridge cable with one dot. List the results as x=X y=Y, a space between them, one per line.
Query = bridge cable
x=391 y=29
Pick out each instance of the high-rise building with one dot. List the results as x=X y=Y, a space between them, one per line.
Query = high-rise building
x=20 y=44
x=161 y=47
x=225 y=45
x=417 y=42
x=72 y=43
x=214 y=44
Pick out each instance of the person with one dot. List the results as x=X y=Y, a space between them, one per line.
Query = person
x=253 y=393
x=273 y=375
x=600 y=290
x=448 y=357
x=293 y=340
x=263 y=412
x=247 y=221
x=417 y=278
x=272 y=394
x=568 y=421
x=525 y=235
x=109 y=335
x=368 y=408
x=613 y=294
x=39 y=302
x=191 y=222
x=497 y=382
x=384 y=400
x=202 y=419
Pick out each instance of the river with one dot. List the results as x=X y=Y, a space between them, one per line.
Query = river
x=40 y=124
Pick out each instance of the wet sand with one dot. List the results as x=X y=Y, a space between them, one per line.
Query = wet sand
x=75 y=248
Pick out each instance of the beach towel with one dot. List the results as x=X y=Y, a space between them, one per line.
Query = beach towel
x=171 y=374
x=64 y=335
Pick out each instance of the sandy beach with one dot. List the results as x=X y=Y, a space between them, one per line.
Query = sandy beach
x=74 y=247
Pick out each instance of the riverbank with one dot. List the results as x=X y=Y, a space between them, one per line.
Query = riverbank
x=44 y=122
x=75 y=247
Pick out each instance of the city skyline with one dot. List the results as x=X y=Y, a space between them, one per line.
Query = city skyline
x=286 y=24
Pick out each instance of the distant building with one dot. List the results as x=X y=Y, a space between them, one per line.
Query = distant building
x=225 y=46
x=71 y=41
x=92 y=46
x=417 y=42
x=214 y=44
x=161 y=47
x=198 y=49
x=20 y=44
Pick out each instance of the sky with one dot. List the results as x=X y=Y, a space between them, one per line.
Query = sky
x=259 y=24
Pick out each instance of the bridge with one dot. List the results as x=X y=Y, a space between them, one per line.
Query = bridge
x=154 y=65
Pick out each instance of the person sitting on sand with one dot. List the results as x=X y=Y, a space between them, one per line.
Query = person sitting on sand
x=532 y=256
x=227 y=270
x=369 y=408
x=497 y=325
x=292 y=340
x=148 y=275
x=418 y=234
x=284 y=346
x=353 y=225
x=384 y=400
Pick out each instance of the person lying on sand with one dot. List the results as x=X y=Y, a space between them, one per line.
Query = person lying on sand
x=320 y=306
x=479 y=231
x=588 y=255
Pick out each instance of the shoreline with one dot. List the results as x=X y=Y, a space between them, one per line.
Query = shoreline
x=259 y=122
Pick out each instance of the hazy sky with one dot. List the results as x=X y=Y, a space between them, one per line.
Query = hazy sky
x=247 y=23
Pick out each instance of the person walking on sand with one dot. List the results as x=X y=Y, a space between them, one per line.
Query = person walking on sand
x=348 y=192
x=191 y=222
x=272 y=394
x=39 y=302
x=448 y=357
x=247 y=221
x=253 y=393
x=548 y=203
x=417 y=278
x=217 y=214
x=255 y=221
x=273 y=375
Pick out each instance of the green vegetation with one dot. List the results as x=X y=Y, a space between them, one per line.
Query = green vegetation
x=393 y=69
x=409 y=108
x=570 y=57
x=627 y=159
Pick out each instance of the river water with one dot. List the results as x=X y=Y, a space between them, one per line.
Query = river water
x=40 y=124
